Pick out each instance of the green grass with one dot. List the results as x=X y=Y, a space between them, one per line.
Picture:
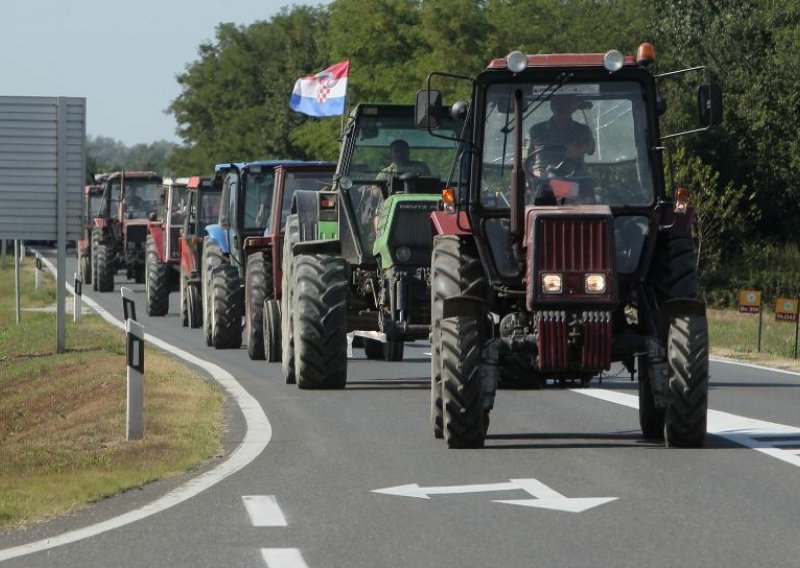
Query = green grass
x=62 y=417
x=735 y=335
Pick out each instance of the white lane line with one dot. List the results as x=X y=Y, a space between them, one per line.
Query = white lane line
x=752 y=366
x=739 y=429
x=264 y=511
x=256 y=438
x=283 y=558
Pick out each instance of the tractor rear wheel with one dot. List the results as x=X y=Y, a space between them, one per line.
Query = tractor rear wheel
x=320 y=321
x=455 y=270
x=687 y=393
x=258 y=287
x=93 y=257
x=393 y=350
x=226 y=308
x=105 y=269
x=291 y=236
x=464 y=415
x=373 y=349
x=272 y=330
x=156 y=291
x=184 y=307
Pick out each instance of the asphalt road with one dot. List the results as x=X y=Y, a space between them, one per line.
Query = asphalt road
x=735 y=503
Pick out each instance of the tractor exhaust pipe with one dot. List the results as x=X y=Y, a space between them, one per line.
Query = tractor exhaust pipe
x=517 y=204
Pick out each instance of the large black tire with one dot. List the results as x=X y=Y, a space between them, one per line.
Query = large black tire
x=156 y=285
x=194 y=306
x=93 y=256
x=455 y=270
x=226 y=308
x=464 y=415
x=673 y=272
x=291 y=236
x=373 y=349
x=184 y=306
x=105 y=269
x=651 y=418
x=212 y=257
x=687 y=393
x=85 y=264
x=271 y=330
x=257 y=288
x=320 y=321
x=138 y=274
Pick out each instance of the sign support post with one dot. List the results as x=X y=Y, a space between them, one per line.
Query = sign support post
x=16 y=280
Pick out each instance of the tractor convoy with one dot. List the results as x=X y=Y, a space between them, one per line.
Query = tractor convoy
x=528 y=233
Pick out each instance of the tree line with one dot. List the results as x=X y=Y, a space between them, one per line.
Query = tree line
x=234 y=99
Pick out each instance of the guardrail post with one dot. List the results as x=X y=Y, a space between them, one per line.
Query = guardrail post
x=16 y=282
x=38 y=280
x=76 y=299
x=134 y=425
x=128 y=304
x=3 y=254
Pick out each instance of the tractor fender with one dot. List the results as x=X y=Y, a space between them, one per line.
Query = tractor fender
x=219 y=235
x=156 y=231
x=327 y=246
x=682 y=307
x=445 y=223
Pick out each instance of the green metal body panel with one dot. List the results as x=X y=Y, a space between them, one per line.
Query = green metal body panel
x=387 y=216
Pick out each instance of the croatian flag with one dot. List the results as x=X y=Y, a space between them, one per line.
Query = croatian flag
x=322 y=94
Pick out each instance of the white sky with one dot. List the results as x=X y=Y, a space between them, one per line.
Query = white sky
x=121 y=55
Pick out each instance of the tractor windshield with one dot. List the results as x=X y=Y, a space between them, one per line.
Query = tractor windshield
x=141 y=198
x=386 y=145
x=293 y=181
x=208 y=209
x=257 y=198
x=583 y=143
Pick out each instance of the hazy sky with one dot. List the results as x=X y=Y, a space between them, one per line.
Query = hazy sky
x=121 y=55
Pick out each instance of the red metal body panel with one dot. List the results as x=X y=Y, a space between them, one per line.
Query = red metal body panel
x=445 y=223
x=560 y=60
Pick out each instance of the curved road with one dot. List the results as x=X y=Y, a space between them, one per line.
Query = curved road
x=565 y=480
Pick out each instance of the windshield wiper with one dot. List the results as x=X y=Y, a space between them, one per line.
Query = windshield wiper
x=539 y=100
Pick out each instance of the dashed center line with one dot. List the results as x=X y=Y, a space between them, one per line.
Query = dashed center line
x=283 y=558
x=264 y=511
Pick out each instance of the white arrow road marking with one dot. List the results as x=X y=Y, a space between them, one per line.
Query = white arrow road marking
x=283 y=558
x=547 y=498
x=739 y=429
x=544 y=496
x=264 y=511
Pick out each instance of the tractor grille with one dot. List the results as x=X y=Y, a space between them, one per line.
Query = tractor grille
x=551 y=329
x=597 y=330
x=579 y=245
x=571 y=244
x=412 y=228
x=573 y=341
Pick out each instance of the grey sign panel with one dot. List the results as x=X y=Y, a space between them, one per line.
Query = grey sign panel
x=32 y=131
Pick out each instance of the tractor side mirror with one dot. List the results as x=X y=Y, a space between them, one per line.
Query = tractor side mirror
x=709 y=104
x=428 y=109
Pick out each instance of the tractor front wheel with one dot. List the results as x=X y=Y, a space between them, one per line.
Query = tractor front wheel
x=105 y=269
x=194 y=306
x=258 y=286
x=320 y=321
x=271 y=330
x=156 y=291
x=687 y=389
x=464 y=416
x=226 y=308
x=291 y=236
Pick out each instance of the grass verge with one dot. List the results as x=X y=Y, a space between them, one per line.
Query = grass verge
x=62 y=417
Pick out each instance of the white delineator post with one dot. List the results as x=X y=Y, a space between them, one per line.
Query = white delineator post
x=134 y=425
x=38 y=279
x=76 y=299
x=128 y=304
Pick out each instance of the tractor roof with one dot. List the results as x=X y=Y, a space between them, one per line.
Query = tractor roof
x=266 y=164
x=133 y=175
x=198 y=181
x=559 y=60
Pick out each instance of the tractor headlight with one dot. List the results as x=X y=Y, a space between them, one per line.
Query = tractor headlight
x=595 y=283
x=613 y=61
x=402 y=254
x=552 y=283
x=516 y=61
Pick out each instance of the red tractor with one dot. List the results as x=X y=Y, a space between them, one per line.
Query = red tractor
x=120 y=226
x=91 y=199
x=162 y=251
x=262 y=291
x=202 y=208
x=561 y=249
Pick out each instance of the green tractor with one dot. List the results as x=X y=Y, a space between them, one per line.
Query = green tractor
x=357 y=259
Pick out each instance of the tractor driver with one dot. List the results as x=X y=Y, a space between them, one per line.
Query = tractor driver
x=401 y=162
x=560 y=143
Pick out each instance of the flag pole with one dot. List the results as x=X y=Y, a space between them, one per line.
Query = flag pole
x=344 y=107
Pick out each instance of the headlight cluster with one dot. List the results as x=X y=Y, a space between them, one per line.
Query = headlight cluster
x=593 y=283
